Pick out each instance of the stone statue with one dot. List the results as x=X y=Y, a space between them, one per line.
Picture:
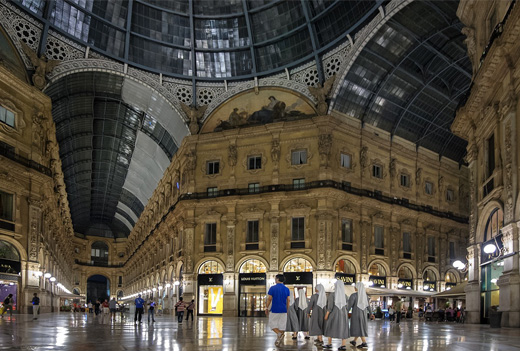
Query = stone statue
x=393 y=171
x=232 y=154
x=321 y=93
x=41 y=64
x=471 y=45
x=194 y=114
x=275 y=150
x=363 y=157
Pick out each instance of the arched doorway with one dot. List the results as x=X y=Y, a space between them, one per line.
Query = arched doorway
x=429 y=280
x=346 y=272
x=298 y=274
x=10 y=268
x=451 y=280
x=252 y=282
x=405 y=278
x=98 y=288
x=211 y=288
x=377 y=276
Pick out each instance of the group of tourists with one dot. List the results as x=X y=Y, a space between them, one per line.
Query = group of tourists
x=180 y=308
x=322 y=316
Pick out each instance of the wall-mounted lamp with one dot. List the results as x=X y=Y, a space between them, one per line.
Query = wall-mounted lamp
x=490 y=248
x=38 y=273
x=52 y=279
x=461 y=266
x=160 y=287
x=47 y=275
x=154 y=289
x=176 y=282
x=168 y=285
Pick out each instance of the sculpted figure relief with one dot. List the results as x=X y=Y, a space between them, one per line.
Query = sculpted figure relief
x=194 y=114
x=321 y=93
x=41 y=64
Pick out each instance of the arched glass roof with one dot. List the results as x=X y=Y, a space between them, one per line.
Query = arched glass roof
x=210 y=39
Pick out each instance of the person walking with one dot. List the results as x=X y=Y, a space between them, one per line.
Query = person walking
x=97 y=307
x=292 y=324
x=36 y=305
x=8 y=305
x=189 y=310
x=180 y=307
x=112 y=305
x=336 y=317
x=90 y=310
x=317 y=306
x=398 y=306
x=302 y=313
x=139 y=305
x=276 y=307
x=358 y=301
x=391 y=313
x=106 y=307
x=151 y=310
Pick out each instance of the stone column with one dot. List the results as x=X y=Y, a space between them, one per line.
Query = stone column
x=324 y=242
x=473 y=288
x=366 y=230
x=230 y=300
x=509 y=281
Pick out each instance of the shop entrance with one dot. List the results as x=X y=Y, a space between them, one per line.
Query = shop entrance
x=252 y=289
x=10 y=268
x=298 y=274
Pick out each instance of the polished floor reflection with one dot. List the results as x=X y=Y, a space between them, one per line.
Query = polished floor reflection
x=68 y=331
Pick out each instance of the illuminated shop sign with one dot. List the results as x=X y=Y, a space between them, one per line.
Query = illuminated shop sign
x=252 y=278
x=430 y=286
x=405 y=284
x=489 y=256
x=295 y=278
x=377 y=282
x=11 y=267
x=210 y=279
x=347 y=279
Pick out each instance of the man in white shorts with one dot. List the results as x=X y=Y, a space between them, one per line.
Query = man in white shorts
x=278 y=300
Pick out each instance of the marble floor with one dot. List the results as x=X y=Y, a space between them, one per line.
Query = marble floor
x=78 y=332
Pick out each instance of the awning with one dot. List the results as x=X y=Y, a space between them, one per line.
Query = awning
x=64 y=295
x=398 y=292
x=455 y=292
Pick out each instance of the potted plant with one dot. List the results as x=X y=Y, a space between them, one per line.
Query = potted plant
x=495 y=317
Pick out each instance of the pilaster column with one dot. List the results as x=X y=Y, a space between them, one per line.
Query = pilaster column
x=275 y=242
x=324 y=241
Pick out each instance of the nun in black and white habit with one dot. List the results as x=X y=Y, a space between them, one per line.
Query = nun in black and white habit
x=358 y=301
x=336 y=316
x=317 y=309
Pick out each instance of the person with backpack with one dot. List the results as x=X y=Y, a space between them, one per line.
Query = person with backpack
x=36 y=305
x=8 y=305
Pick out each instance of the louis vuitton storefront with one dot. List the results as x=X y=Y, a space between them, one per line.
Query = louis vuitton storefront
x=298 y=274
x=210 y=284
x=252 y=289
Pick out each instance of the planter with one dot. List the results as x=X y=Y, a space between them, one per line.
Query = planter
x=495 y=319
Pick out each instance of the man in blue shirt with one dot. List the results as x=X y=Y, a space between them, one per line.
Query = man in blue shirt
x=278 y=300
x=139 y=304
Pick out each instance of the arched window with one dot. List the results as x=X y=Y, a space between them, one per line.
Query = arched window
x=298 y=265
x=429 y=275
x=11 y=256
x=494 y=224
x=211 y=267
x=377 y=269
x=405 y=273
x=99 y=253
x=75 y=291
x=450 y=278
x=253 y=266
x=345 y=266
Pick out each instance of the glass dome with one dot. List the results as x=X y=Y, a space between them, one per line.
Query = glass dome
x=210 y=39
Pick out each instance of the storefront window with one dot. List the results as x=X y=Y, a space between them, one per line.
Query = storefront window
x=494 y=224
x=253 y=266
x=211 y=290
x=429 y=280
x=490 y=291
x=377 y=276
x=298 y=265
x=405 y=280
x=346 y=272
x=298 y=274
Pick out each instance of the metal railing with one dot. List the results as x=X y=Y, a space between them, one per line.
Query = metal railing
x=7 y=151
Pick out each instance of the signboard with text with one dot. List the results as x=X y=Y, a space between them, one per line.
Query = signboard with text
x=210 y=279
x=347 y=279
x=252 y=278
x=295 y=278
x=377 y=282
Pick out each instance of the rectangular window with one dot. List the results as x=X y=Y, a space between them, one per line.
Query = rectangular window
x=379 y=240
x=377 y=171
x=213 y=191
x=299 y=183
x=254 y=162
x=210 y=237
x=120 y=280
x=345 y=161
x=452 y=252
x=431 y=249
x=298 y=229
x=252 y=232
x=428 y=188
x=407 y=245
x=491 y=155
x=449 y=195
x=346 y=234
x=6 y=206
x=254 y=187
x=7 y=116
x=405 y=180
x=212 y=167
x=299 y=157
